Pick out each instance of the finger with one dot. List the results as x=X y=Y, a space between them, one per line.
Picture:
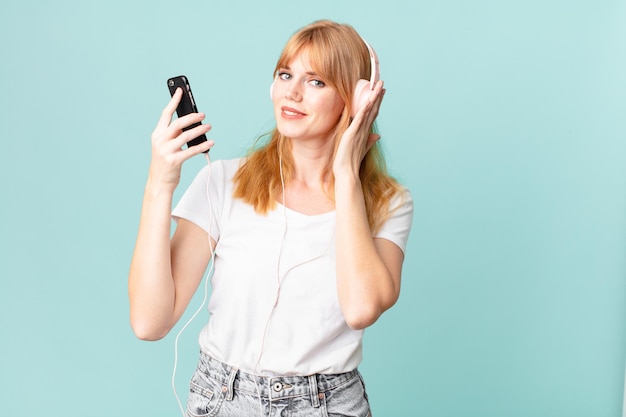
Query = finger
x=373 y=106
x=377 y=97
x=168 y=111
x=371 y=141
x=187 y=120
x=189 y=135
x=184 y=154
x=369 y=111
x=197 y=149
x=175 y=128
x=178 y=137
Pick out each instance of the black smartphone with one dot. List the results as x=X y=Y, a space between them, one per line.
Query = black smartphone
x=187 y=105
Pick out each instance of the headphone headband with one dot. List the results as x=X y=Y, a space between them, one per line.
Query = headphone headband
x=375 y=64
x=364 y=88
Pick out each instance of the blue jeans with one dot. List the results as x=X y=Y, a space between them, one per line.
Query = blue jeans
x=217 y=389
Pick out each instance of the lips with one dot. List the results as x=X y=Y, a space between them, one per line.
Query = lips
x=290 y=112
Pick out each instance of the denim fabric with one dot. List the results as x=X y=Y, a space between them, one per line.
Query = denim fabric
x=217 y=389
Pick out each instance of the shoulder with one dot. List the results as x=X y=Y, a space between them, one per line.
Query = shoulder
x=228 y=167
x=401 y=201
x=398 y=224
x=219 y=171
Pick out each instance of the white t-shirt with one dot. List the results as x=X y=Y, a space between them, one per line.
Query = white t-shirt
x=274 y=297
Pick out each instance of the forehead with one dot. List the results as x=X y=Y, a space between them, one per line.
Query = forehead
x=300 y=61
x=306 y=53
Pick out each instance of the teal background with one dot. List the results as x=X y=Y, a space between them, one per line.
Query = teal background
x=506 y=119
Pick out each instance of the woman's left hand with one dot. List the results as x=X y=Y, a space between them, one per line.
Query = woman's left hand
x=358 y=139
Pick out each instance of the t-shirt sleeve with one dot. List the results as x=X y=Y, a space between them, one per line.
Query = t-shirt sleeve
x=199 y=207
x=397 y=227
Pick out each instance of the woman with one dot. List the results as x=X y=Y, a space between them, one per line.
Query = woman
x=308 y=233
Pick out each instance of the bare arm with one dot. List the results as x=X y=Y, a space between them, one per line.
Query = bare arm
x=164 y=274
x=368 y=269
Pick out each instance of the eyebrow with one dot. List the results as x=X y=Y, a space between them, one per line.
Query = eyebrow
x=287 y=68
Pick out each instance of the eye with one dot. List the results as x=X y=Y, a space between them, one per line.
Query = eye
x=283 y=75
x=317 y=83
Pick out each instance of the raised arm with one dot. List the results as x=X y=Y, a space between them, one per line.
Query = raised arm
x=368 y=269
x=164 y=272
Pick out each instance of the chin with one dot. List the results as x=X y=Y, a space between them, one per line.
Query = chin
x=286 y=132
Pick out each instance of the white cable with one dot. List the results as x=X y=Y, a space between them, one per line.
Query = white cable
x=278 y=283
x=206 y=291
x=280 y=252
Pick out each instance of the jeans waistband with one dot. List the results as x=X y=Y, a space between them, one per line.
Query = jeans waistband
x=271 y=388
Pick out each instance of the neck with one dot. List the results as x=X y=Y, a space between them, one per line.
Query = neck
x=311 y=163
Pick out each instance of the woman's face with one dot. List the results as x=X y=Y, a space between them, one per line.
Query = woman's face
x=305 y=107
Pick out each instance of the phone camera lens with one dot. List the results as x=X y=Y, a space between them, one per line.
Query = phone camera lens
x=171 y=83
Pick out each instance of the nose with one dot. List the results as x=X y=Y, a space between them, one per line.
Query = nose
x=292 y=91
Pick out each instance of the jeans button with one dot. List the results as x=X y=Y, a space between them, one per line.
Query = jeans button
x=277 y=386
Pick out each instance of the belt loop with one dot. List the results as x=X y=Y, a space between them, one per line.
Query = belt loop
x=315 y=399
x=231 y=382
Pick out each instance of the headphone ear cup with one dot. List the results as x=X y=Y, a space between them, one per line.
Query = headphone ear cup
x=362 y=93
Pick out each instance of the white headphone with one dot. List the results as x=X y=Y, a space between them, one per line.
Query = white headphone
x=363 y=88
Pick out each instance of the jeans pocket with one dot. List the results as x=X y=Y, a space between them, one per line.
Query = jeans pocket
x=349 y=399
x=205 y=397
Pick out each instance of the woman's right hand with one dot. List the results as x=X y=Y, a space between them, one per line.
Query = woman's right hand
x=162 y=276
x=168 y=140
